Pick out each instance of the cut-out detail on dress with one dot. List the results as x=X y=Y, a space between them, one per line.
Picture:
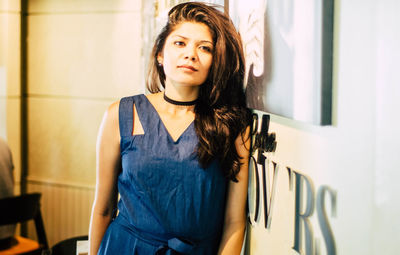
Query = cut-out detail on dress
x=136 y=130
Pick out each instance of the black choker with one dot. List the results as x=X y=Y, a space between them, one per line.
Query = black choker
x=185 y=103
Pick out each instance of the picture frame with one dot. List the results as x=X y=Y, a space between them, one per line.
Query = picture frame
x=288 y=47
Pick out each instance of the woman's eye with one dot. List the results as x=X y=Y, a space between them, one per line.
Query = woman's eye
x=206 y=48
x=179 y=43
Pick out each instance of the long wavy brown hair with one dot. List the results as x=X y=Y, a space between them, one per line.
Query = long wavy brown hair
x=221 y=114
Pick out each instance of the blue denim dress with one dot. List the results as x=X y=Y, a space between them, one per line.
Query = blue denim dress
x=168 y=203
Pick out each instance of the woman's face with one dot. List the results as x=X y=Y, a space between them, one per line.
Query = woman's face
x=187 y=54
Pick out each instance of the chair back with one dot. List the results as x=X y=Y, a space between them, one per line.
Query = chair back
x=68 y=246
x=19 y=209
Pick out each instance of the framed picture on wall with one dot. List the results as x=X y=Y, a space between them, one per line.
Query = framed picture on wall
x=288 y=46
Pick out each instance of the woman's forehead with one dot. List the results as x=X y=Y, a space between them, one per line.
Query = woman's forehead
x=192 y=30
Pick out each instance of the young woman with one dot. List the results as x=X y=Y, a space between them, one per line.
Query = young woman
x=178 y=157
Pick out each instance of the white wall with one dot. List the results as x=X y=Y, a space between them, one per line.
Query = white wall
x=358 y=155
x=387 y=164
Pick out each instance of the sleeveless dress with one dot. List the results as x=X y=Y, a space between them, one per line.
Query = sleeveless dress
x=168 y=203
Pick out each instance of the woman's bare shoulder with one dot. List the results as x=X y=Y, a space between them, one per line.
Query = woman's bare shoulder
x=154 y=97
x=112 y=110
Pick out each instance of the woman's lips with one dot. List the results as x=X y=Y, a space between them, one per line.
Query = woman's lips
x=188 y=67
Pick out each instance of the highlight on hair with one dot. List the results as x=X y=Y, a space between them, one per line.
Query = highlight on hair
x=221 y=112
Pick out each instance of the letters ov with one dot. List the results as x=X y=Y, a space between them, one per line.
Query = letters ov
x=306 y=202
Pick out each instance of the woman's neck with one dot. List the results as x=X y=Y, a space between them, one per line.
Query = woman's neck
x=181 y=93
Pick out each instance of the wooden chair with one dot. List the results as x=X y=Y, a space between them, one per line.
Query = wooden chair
x=68 y=246
x=19 y=209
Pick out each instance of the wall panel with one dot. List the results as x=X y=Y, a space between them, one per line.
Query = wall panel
x=10 y=52
x=74 y=6
x=81 y=56
x=14 y=133
x=62 y=138
x=10 y=6
x=10 y=81
x=84 y=55
x=65 y=209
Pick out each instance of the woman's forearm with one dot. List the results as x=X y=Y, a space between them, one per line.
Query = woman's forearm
x=232 y=239
x=98 y=227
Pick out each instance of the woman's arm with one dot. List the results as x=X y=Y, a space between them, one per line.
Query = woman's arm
x=107 y=168
x=235 y=212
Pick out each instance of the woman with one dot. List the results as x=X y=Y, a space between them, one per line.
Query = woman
x=179 y=156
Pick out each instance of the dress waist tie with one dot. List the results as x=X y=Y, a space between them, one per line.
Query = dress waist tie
x=171 y=246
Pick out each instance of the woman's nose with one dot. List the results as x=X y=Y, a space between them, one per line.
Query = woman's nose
x=190 y=54
x=193 y=58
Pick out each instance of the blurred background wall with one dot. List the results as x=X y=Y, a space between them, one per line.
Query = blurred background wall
x=76 y=57
x=10 y=81
x=80 y=57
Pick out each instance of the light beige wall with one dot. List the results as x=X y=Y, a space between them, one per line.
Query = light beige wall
x=10 y=83
x=82 y=55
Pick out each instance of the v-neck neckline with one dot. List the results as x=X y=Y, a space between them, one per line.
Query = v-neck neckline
x=163 y=125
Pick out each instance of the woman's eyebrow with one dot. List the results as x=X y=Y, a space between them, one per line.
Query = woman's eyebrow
x=206 y=41
x=202 y=41
x=181 y=36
